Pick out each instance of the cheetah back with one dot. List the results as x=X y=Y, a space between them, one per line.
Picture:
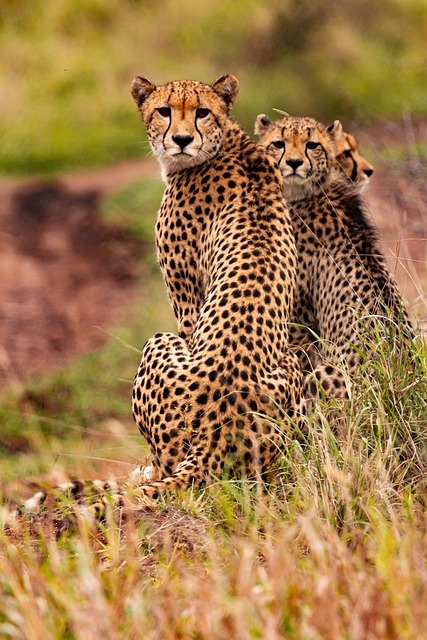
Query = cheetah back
x=218 y=395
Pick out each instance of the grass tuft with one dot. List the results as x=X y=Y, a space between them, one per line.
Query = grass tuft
x=334 y=547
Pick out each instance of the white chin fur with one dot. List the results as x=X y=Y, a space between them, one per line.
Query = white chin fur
x=296 y=189
x=362 y=184
x=173 y=164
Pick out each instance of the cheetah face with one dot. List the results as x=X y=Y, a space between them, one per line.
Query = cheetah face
x=349 y=159
x=303 y=149
x=185 y=120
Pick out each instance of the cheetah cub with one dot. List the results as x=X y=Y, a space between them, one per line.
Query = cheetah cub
x=218 y=398
x=343 y=284
x=348 y=157
x=351 y=162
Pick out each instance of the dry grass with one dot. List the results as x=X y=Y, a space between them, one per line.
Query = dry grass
x=335 y=548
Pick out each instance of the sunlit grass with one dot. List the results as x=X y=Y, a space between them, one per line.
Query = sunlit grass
x=334 y=547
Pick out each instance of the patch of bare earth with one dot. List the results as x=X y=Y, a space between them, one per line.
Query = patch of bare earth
x=64 y=273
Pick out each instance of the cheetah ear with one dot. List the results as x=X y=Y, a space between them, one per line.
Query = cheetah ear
x=140 y=89
x=262 y=123
x=227 y=88
x=335 y=129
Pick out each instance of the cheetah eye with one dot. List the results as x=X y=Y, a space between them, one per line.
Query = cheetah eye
x=165 y=112
x=347 y=153
x=202 y=113
x=279 y=144
x=312 y=145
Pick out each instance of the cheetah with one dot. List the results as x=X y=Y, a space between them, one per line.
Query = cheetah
x=348 y=157
x=219 y=397
x=343 y=284
x=351 y=162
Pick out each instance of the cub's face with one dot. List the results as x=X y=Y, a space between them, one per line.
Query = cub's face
x=303 y=149
x=349 y=159
x=185 y=120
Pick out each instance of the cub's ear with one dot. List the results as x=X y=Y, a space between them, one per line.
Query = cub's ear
x=140 y=89
x=262 y=123
x=335 y=129
x=227 y=88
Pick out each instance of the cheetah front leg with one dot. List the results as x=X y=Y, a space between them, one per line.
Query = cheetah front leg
x=186 y=300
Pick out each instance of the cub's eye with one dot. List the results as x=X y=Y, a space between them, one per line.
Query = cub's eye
x=312 y=145
x=164 y=111
x=279 y=144
x=202 y=113
x=347 y=153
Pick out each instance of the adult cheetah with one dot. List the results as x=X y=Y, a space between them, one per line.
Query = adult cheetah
x=219 y=397
x=344 y=288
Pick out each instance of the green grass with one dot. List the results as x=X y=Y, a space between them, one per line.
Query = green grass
x=48 y=420
x=56 y=414
x=398 y=157
x=123 y=208
x=335 y=547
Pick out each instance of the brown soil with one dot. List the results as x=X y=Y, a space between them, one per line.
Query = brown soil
x=65 y=273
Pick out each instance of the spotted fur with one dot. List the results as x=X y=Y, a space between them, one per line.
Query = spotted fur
x=218 y=397
x=349 y=159
x=344 y=287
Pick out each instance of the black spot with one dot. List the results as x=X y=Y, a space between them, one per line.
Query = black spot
x=202 y=398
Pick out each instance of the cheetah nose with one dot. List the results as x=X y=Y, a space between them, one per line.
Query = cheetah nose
x=294 y=164
x=182 y=141
x=368 y=172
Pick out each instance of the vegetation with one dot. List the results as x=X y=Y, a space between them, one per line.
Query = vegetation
x=66 y=67
x=334 y=548
x=47 y=417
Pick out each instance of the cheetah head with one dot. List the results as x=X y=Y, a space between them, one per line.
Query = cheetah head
x=303 y=149
x=350 y=161
x=185 y=120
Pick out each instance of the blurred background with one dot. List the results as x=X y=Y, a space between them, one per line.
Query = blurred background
x=66 y=66
x=81 y=290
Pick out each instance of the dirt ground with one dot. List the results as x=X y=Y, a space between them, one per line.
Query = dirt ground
x=65 y=274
